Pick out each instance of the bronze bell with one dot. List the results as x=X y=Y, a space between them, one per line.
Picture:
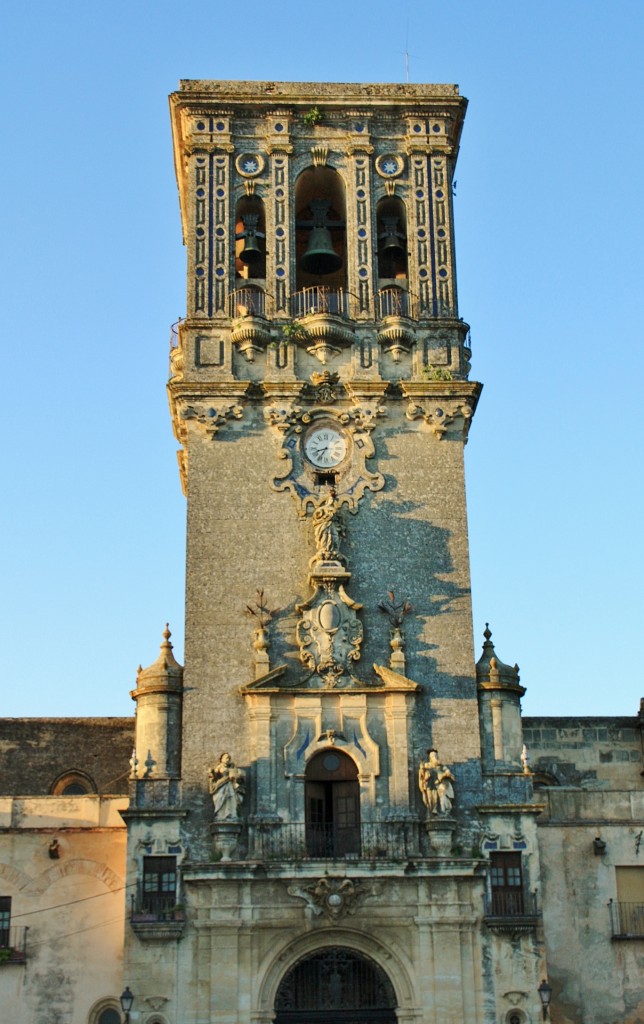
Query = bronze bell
x=320 y=257
x=251 y=253
x=392 y=241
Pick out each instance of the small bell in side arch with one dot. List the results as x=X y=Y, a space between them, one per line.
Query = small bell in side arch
x=393 y=243
x=252 y=252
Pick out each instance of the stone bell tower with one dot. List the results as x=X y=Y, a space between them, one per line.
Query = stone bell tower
x=322 y=375
x=334 y=807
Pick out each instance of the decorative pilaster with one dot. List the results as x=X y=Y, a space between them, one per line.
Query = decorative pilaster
x=279 y=147
x=361 y=271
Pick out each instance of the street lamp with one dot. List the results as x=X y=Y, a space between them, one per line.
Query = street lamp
x=545 y=994
x=126 y=999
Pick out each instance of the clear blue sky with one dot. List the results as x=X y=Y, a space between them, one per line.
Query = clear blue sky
x=549 y=243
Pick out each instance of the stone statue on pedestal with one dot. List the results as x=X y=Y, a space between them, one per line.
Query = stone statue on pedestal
x=227 y=789
x=435 y=784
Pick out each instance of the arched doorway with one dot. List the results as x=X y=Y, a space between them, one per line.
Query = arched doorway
x=335 y=986
x=332 y=797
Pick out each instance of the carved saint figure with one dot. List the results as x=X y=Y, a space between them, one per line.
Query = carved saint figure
x=328 y=529
x=227 y=788
x=435 y=784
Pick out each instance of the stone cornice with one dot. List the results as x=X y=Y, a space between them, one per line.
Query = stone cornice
x=301 y=94
x=197 y=391
x=441 y=402
x=153 y=812
x=510 y=808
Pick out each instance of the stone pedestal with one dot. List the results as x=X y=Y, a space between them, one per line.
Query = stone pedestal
x=440 y=831
x=226 y=836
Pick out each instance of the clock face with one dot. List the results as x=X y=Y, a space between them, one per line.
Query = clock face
x=326 y=447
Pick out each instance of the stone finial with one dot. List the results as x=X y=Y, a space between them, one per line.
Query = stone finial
x=165 y=672
x=262 y=614
x=395 y=612
x=492 y=673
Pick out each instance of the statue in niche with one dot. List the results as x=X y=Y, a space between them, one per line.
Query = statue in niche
x=435 y=784
x=227 y=789
x=328 y=529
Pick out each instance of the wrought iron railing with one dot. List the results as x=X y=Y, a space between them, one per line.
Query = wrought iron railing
x=320 y=299
x=511 y=903
x=394 y=301
x=13 y=945
x=248 y=301
x=397 y=840
x=154 y=906
x=627 y=919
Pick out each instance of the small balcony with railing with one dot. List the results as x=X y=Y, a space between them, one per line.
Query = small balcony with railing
x=156 y=915
x=13 y=945
x=511 y=910
x=395 y=311
x=626 y=919
x=324 y=316
x=250 y=326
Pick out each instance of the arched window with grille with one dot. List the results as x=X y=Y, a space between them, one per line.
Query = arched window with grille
x=336 y=986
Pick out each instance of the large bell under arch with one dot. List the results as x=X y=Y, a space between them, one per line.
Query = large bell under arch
x=320 y=228
x=336 y=985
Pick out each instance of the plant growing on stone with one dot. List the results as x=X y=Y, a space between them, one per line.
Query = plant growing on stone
x=313 y=116
x=292 y=331
x=436 y=373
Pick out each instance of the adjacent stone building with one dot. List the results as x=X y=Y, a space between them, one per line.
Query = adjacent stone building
x=331 y=812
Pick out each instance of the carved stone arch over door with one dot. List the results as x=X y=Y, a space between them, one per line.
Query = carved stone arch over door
x=335 y=985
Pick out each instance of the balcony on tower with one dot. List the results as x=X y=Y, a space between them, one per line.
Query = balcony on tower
x=250 y=326
x=322 y=320
x=395 y=313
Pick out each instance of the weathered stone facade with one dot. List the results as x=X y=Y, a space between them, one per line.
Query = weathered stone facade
x=332 y=815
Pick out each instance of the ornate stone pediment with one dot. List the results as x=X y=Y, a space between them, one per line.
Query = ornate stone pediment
x=393 y=680
x=266 y=682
